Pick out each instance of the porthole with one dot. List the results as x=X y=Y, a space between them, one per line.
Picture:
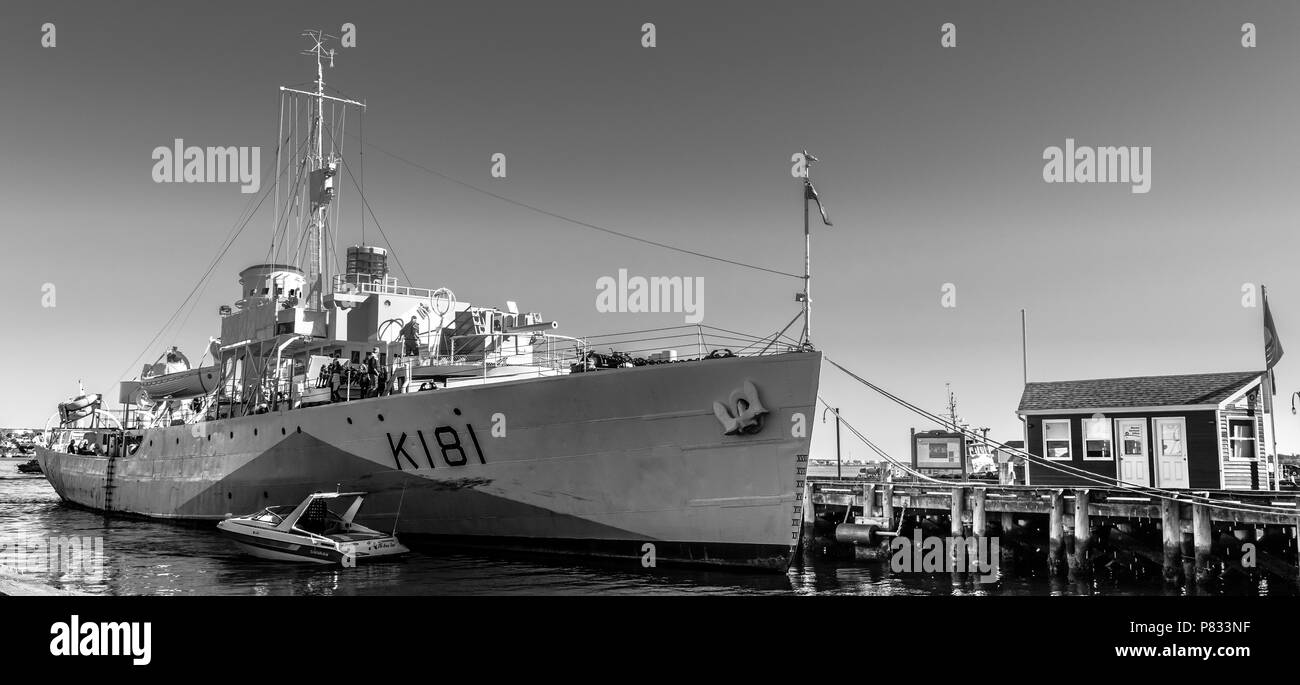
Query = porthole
x=456 y=411
x=349 y=420
x=381 y=417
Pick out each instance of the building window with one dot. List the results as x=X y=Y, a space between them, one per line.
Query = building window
x=1096 y=439
x=1171 y=439
x=1056 y=439
x=1241 y=439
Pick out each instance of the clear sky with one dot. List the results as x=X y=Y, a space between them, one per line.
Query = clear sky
x=931 y=168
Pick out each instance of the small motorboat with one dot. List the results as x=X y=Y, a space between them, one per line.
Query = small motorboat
x=311 y=532
x=31 y=466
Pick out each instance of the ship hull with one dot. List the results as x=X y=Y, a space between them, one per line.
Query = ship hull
x=633 y=463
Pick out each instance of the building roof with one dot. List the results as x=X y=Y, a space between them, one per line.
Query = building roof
x=1136 y=391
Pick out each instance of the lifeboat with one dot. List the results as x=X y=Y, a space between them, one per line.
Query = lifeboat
x=78 y=408
x=182 y=384
x=172 y=378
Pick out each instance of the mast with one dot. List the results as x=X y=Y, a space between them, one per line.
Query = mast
x=316 y=236
x=322 y=168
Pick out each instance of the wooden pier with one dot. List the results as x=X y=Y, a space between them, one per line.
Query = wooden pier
x=1198 y=537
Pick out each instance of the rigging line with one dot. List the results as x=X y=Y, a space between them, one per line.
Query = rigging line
x=583 y=224
x=878 y=450
x=1160 y=493
x=361 y=163
x=193 y=300
x=366 y=204
x=282 y=226
x=239 y=228
x=246 y=216
x=275 y=218
x=338 y=216
x=754 y=338
x=1085 y=475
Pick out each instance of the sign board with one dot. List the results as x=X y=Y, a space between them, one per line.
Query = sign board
x=938 y=451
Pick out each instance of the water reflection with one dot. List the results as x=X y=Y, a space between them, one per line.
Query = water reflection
x=143 y=557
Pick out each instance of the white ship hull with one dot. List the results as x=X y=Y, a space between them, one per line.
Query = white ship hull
x=597 y=463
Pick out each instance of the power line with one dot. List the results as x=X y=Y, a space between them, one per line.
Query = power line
x=578 y=222
x=1106 y=481
x=366 y=204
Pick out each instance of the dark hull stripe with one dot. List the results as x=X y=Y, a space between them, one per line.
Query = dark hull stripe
x=304 y=551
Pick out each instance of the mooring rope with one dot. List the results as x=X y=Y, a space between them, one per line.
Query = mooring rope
x=1106 y=481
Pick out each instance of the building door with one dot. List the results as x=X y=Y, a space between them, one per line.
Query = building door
x=1134 y=457
x=1171 y=452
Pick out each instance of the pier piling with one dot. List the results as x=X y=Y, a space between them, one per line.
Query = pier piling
x=1198 y=540
x=956 y=528
x=1056 y=533
x=1203 y=540
x=887 y=505
x=1082 y=533
x=1009 y=539
x=1172 y=535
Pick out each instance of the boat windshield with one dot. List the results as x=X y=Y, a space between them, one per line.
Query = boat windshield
x=273 y=515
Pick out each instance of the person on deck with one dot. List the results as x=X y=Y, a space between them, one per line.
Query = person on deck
x=411 y=333
x=372 y=372
x=335 y=371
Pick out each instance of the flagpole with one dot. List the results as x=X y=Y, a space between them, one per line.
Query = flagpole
x=1269 y=392
x=807 y=271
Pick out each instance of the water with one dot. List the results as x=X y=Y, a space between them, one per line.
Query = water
x=143 y=557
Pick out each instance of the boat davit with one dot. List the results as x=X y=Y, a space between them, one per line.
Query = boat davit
x=311 y=532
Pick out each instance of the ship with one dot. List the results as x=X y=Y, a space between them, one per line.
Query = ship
x=466 y=424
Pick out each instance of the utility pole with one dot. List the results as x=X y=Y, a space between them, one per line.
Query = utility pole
x=838 y=462
x=1024 y=348
x=839 y=472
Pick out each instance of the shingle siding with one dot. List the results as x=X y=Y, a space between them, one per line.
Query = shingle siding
x=1136 y=391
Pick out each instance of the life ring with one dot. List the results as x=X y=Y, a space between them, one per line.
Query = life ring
x=447 y=297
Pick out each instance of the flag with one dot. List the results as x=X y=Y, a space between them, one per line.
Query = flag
x=1272 y=345
x=810 y=193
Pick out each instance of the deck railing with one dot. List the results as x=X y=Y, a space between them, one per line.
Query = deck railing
x=633 y=348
